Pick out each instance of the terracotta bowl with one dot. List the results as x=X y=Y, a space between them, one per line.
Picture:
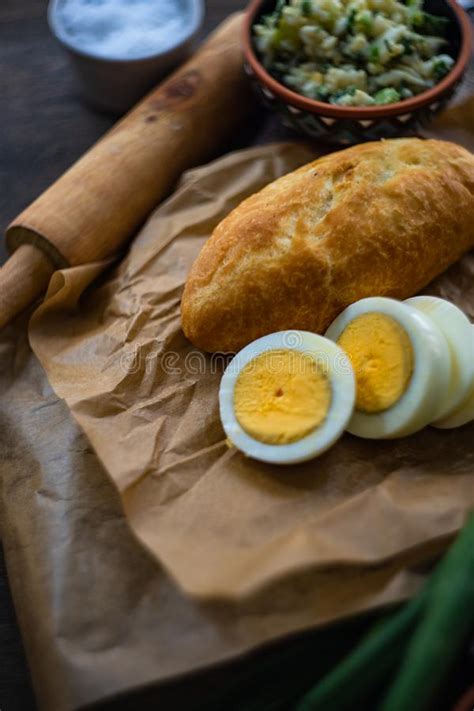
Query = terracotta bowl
x=347 y=124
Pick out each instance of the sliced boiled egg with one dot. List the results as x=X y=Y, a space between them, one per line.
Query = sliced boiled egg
x=401 y=362
x=457 y=330
x=464 y=413
x=287 y=397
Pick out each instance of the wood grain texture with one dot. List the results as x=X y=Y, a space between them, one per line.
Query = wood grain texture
x=99 y=203
x=23 y=277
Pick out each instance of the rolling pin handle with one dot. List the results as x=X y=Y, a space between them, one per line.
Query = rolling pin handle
x=24 y=277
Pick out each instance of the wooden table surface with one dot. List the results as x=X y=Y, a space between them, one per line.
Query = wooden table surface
x=44 y=128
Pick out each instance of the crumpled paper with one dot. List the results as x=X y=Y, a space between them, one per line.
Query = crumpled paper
x=223 y=525
x=289 y=549
x=99 y=616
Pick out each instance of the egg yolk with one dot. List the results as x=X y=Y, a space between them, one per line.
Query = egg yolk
x=281 y=396
x=381 y=354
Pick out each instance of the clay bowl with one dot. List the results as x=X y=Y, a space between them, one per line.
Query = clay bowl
x=347 y=124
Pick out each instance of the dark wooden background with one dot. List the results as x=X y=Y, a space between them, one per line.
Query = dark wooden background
x=44 y=128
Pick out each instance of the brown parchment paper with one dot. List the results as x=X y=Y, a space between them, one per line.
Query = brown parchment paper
x=100 y=616
x=125 y=429
x=224 y=525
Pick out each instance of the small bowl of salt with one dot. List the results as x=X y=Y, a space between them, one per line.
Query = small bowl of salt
x=120 y=49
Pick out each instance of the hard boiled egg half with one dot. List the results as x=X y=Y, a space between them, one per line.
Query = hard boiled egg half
x=464 y=413
x=287 y=397
x=458 y=332
x=401 y=362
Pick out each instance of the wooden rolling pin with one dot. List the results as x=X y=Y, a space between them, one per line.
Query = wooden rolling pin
x=98 y=204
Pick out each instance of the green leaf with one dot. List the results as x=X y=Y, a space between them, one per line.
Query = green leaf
x=374 y=53
x=388 y=95
x=279 y=8
x=429 y=24
x=440 y=69
x=351 y=18
x=442 y=631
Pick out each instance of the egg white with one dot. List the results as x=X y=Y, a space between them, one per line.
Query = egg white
x=341 y=378
x=430 y=378
x=465 y=412
x=457 y=330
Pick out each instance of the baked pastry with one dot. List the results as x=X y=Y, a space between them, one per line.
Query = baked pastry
x=380 y=218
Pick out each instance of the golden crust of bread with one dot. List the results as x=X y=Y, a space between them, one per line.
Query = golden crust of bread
x=380 y=218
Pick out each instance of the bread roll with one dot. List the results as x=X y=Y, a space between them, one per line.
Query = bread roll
x=380 y=218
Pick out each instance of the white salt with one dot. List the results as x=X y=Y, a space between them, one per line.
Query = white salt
x=123 y=29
